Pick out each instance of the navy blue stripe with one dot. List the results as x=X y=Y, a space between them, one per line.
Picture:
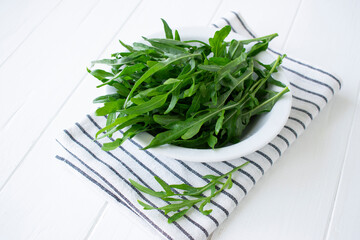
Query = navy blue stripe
x=303 y=111
x=317 y=69
x=93 y=180
x=291 y=59
x=276 y=148
x=265 y=156
x=291 y=130
x=284 y=139
x=298 y=121
x=310 y=79
x=139 y=178
x=128 y=203
x=227 y=21
x=255 y=164
x=308 y=91
x=242 y=171
x=206 y=180
x=243 y=24
x=215 y=204
x=122 y=178
x=178 y=176
x=307 y=101
x=220 y=173
x=215 y=25
x=314 y=68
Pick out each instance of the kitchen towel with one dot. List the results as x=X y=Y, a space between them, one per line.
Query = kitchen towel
x=312 y=88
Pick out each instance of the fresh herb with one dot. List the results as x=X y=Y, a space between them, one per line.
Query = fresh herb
x=190 y=196
x=186 y=93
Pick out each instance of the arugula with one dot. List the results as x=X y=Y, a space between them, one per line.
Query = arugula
x=192 y=83
x=186 y=93
x=188 y=195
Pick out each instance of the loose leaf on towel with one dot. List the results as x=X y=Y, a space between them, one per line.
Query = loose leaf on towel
x=193 y=195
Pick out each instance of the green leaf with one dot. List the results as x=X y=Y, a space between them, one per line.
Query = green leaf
x=210 y=68
x=231 y=67
x=276 y=82
x=119 y=121
x=201 y=208
x=211 y=177
x=174 y=99
x=258 y=47
x=166 y=119
x=110 y=107
x=267 y=38
x=167 y=29
x=177 y=35
x=147 y=190
x=176 y=206
x=131 y=132
x=167 y=46
x=192 y=131
x=218 y=46
x=219 y=122
x=164 y=185
x=183 y=187
x=157 y=67
x=229 y=182
x=235 y=49
x=146 y=206
x=197 y=142
x=107 y=98
x=128 y=47
x=153 y=103
x=212 y=141
x=100 y=74
x=178 y=215
x=222 y=61
x=110 y=119
x=265 y=106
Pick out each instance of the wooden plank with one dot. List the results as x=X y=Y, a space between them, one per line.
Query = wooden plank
x=16 y=28
x=53 y=63
x=295 y=198
x=119 y=223
x=330 y=42
x=344 y=223
x=45 y=200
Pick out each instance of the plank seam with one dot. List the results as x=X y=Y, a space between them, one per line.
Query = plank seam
x=64 y=103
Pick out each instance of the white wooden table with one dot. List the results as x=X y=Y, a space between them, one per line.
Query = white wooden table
x=312 y=192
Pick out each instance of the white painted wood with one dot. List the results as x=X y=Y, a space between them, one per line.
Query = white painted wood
x=55 y=56
x=295 y=199
x=45 y=200
x=310 y=193
x=264 y=17
x=25 y=17
x=344 y=223
x=119 y=223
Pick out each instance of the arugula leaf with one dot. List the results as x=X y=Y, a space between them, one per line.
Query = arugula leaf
x=218 y=46
x=167 y=29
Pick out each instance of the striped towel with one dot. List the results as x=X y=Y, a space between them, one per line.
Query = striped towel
x=312 y=88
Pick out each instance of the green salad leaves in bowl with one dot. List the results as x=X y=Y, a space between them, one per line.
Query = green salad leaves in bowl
x=198 y=95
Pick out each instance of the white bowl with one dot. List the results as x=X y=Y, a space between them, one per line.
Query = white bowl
x=260 y=131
